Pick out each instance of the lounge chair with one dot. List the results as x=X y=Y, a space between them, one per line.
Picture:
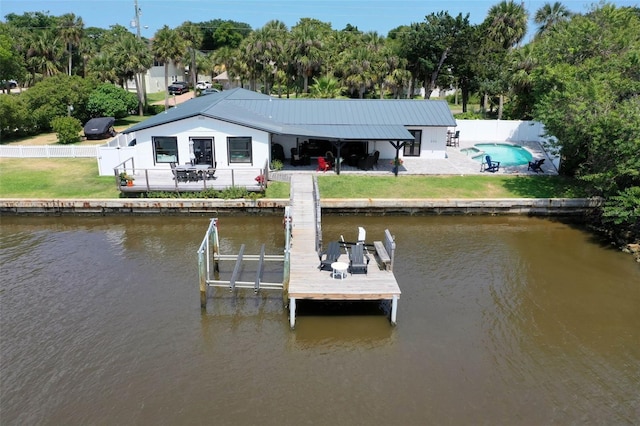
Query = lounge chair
x=297 y=159
x=331 y=254
x=323 y=165
x=357 y=257
x=536 y=166
x=490 y=166
x=367 y=162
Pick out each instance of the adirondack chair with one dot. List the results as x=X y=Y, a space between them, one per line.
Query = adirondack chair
x=490 y=166
x=331 y=254
x=536 y=166
x=357 y=257
x=323 y=165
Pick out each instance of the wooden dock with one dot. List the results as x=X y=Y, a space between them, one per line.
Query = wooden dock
x=307 y=281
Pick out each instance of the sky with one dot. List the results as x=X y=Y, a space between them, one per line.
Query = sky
x=367 y=15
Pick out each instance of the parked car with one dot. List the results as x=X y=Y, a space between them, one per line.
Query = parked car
x=203 y=85
x=209 y=91
x=178 y=88
x=10 y=84
x=99 y=128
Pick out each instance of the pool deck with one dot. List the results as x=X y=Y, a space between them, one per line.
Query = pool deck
x=456 y=163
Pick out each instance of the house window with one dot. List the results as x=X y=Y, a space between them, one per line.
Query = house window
x=412 y=148
x=239 y=149
x=165 y=149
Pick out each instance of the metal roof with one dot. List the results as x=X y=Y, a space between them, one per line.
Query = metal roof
x=369 y=119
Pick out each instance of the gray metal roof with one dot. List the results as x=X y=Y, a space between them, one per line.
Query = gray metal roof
x=323 y=118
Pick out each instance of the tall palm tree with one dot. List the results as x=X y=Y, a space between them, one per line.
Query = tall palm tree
x=44 y=53
x=507 y=23
x=167 y=47
x=550 y=15
x=71 y=32
x=102 y=67
x=192 y=36
x=307 y=39
x=132 y=57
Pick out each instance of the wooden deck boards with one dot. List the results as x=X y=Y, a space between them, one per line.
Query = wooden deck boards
x=306 y=281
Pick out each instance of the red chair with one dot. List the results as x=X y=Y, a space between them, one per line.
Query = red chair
x=323 y=165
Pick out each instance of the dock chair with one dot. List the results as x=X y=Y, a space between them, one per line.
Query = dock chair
x=331 y=254
x=323 y=165
x=536 y=166
x=357 y=258
x=490 y=166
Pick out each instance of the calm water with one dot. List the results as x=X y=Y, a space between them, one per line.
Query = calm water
x=502 y=321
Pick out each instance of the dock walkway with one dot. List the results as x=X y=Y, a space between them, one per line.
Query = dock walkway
x=307 y=281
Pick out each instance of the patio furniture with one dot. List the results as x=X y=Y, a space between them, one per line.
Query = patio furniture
x=330 y=158
x=357 y=257
x=455 y=139
x=366 y=163
x=331 y=255
x=323 y=165
x=298 y=159
x=489 y=166
x=339 y=269
x=536 y=166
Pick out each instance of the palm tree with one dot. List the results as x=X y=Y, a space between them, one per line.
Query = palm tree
x=167 y=47
x=192 y=36
x=326 y=87
x=71 y=32
x=307 y=39
x=102 y=67
x=550 y=15
x=507 y=23
x=44 y=54
x=132 y=57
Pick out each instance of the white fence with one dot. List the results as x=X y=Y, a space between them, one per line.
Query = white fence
x=500 y=130
x=48 y=151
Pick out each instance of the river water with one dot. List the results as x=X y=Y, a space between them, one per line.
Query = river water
x=502 y=321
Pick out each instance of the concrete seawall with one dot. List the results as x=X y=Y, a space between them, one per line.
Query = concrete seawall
x=173 y=206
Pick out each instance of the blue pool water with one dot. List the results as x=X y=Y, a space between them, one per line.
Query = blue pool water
x=507 y=155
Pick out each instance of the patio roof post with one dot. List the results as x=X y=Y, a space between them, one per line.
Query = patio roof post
x=398 y=145
x=338 y=146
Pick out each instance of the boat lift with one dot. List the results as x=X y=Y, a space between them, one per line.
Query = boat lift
x=209 y=257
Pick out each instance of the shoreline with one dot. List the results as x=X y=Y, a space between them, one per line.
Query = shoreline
x=362 y=206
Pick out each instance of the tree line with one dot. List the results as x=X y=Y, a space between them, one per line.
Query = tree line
x=579 y=75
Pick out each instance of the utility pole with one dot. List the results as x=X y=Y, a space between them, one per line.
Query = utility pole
x=142 y=76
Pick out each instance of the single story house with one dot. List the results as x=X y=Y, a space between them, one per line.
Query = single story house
x=239 y=128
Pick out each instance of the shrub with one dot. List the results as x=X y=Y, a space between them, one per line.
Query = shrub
x=469 y=115
x=67 y=129
x=52 y=97
x=277 y=165
x=15 y=119
x=109 y=100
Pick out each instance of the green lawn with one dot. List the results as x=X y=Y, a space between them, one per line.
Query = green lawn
x=78 y=178
x=448 y=187
x=54 y=178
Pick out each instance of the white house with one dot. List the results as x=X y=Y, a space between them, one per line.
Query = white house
x=238 y=129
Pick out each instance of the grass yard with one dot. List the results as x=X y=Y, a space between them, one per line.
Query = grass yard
x=54 y=178
x=78 y=178
x=449 y=187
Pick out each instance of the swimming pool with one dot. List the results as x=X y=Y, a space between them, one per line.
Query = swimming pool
x=506 y=154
